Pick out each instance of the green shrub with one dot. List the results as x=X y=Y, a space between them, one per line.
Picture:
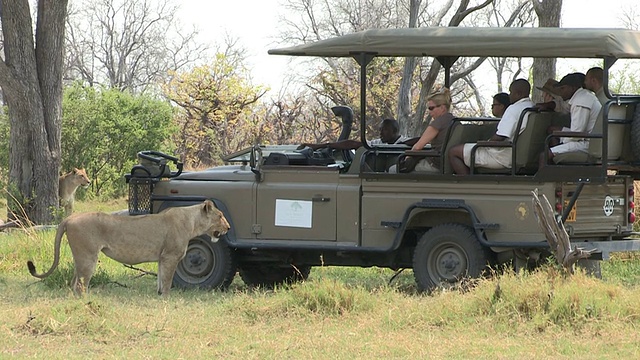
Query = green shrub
x=104 y=129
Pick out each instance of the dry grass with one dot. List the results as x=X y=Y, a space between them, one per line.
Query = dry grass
x=339 y=313
x=359 y=322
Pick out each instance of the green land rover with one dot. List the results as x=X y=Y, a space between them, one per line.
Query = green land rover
x=292 y=209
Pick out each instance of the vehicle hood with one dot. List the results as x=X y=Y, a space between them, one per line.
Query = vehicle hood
x=220 y=173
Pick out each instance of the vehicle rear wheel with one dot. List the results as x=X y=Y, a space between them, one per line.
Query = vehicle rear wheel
x=268 y=276
x=446 y=254
x=206 y=265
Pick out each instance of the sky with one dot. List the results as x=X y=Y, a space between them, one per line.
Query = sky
x=255 y=23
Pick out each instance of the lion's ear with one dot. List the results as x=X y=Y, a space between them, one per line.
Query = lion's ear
x=208 y=206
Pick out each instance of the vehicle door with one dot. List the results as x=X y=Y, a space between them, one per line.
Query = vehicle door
x=297 y=203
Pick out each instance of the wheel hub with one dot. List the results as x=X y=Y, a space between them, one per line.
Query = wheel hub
x=451 y=264
x=195 y=258
x=197 y=263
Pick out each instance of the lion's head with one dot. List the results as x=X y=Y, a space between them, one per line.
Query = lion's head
x=219 y=223
x=80 y=177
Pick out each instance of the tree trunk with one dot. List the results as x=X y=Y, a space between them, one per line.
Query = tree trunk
x=415 y=125
x=31 y=78
x=404 y=95
x=548 y=12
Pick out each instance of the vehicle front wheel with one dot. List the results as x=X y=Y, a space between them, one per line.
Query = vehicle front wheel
x=268 y=276
x=446 y=254
x=206 y=265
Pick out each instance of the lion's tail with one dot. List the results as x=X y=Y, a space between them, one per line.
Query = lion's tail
x=62 y=228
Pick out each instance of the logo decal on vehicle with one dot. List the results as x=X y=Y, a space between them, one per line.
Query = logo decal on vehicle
x=522 y=211
x=608 y=205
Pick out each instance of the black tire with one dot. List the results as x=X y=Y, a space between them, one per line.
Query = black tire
x=591 y=267
x=268 y=276
x=206 y=265
x=446 y=254
x=635 y=134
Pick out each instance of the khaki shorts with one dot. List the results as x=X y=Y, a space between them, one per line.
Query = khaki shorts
x=425 y=166
x=491 y=158
x=571 y=146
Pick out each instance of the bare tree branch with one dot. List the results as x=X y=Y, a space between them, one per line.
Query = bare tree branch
x=128 y=44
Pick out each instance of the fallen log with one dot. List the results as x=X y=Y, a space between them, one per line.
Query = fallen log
x=556 y=234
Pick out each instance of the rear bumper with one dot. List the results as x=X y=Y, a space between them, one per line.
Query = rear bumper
x=603 y=249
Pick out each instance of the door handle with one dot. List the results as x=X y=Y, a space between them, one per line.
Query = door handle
x=320 y=199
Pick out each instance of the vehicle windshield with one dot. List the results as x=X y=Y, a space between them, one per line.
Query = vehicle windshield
x=244 y=155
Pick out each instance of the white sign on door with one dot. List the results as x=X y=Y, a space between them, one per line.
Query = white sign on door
x=294 y=213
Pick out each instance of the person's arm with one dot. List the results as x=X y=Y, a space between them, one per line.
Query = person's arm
x=497 y=137
x=338 y=145
x=546 y=106
x=579 y=122
x=412 y=141
x=347 y=144
x=312 y=146
x=507 y=125
x=429 y=134
x=580 y=118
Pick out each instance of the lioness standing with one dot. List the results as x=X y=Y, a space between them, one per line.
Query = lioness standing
x=133 y=240
x=67 y=186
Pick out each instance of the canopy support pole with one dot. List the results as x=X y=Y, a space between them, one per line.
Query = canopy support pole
x=363 y=60
x=608 y=63
x=447 y=62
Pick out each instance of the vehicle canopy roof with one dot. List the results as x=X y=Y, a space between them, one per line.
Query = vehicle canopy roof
x=477 y=41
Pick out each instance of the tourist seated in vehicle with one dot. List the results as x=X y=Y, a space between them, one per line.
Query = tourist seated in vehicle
x=500 y=104
x=389 y=135
x=496 y=157
x=439 y=106
x=584 y=113
x=593 y=80
x=552 y=101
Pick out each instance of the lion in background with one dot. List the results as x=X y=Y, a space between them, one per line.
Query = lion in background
x=67 y=186
x=132 y=240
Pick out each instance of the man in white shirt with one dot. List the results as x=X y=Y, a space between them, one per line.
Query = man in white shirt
x=585 y=107
x=496 y=157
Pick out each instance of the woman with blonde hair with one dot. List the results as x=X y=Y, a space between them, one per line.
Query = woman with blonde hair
x=439 y=105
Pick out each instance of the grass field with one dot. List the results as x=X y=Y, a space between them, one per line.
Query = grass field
x=339 y=313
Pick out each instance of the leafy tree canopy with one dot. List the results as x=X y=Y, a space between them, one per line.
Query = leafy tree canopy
x=217 y=110
x=104 y=129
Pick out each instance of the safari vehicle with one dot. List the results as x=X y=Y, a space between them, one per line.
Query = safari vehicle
x=291 y=210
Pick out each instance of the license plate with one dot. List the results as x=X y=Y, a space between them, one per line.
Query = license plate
x=573 y=213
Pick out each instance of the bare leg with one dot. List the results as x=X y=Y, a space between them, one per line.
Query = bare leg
x=542 y=161
x=555 y=140
x=456 y=158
